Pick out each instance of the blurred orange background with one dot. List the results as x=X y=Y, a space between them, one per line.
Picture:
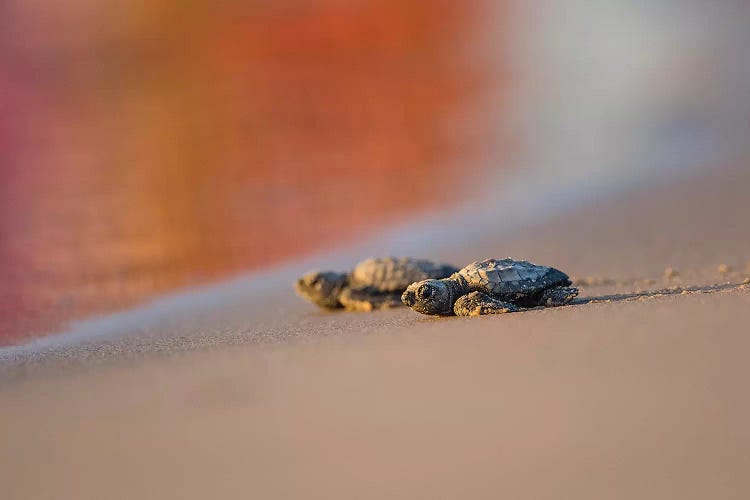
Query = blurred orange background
x=150 y=146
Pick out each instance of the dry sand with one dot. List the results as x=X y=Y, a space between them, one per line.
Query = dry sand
x=628 y=397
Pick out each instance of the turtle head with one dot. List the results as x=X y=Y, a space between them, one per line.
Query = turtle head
x=429 y=297
x=322 y=289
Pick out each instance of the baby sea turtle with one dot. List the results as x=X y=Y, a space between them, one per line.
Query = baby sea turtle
x=491 y=287
x=372 y=284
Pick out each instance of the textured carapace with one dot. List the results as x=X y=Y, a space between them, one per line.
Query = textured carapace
x=510 y=280
x=394 y=274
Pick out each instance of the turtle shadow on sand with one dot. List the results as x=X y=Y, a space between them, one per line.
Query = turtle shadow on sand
x=685 y=290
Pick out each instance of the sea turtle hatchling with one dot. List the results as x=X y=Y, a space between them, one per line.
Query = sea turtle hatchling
x=372 y=284
x=491 y=287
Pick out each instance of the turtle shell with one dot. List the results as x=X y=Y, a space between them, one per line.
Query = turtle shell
x=394 y=274
x=511 y=279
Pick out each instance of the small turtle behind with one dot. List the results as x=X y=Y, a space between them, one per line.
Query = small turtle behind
x=372 y=284
x=491 y=287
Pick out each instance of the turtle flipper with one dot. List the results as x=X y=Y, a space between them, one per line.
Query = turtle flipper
x=558 y=296
x=368 y=299
x=478 y=303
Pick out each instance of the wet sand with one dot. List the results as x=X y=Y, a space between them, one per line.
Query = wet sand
x=636 y=395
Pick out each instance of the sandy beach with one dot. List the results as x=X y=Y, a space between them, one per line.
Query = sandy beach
x=635 y=391
x=169 y=169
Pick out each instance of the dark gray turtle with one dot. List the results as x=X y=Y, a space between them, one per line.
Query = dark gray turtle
x=372 y=284
x=491 y=287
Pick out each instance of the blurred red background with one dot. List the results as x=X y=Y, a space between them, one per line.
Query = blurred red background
x=153 y=146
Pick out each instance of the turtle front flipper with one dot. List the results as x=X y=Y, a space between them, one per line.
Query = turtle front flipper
x=558 y=296
x=368 y=299
x=478 y=303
